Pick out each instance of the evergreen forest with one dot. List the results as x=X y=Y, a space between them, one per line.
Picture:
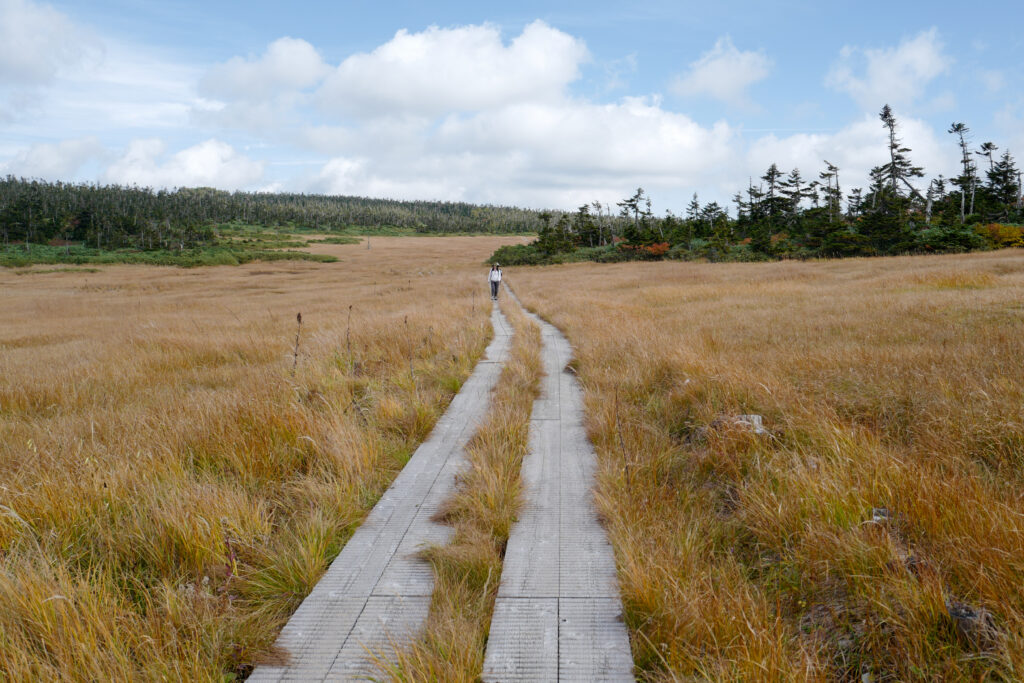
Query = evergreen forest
x=787 y=215
x=83 y=223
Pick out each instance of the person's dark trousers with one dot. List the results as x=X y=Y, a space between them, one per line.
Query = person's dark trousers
x=494 y=290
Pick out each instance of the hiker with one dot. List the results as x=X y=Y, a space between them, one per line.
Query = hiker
x=495 y=279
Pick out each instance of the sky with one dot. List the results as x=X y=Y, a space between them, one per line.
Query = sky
x=535 y=104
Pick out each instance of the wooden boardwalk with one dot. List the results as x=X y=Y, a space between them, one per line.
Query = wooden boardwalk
x=558 y=612
x=376 y=594
x=558 y=615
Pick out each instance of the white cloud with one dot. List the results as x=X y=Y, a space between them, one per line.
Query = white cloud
x=458 y=69
x=452 y=113
x=895 y=75
x=115 y=90
x=724 y=73
x=260 y=94
x=536 y=154
x=36 y=41
x=855 y=149
x=210 y=163
x=348 y=176
x=37 y=44
x=633 y=136
x=53 y=161
x=288 y=64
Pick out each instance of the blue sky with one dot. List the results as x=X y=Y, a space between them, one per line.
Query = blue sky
x=536 y=104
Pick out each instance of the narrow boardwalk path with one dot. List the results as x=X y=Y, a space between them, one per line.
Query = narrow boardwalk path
x=558 y=615
x=376 y=593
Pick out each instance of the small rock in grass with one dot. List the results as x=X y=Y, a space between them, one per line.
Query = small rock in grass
x=975 y=625
x=751 y=423
x=754 y=423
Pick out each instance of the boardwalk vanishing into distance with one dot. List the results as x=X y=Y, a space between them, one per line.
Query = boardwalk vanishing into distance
x=376 y=594
x=558 y=614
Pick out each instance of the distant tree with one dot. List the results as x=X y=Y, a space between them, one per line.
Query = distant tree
x=1004 y=181
x=585 y=227
x=966 y=180
x=693 y=208
x=631 y=207
x=936 y=193
x=775 y=203
x=742 y=208
x=554 y=239
x=833 y=196
x=854 y=202
x=792 y=188
x=717 y=220
x=898 y=172
x=602 y=222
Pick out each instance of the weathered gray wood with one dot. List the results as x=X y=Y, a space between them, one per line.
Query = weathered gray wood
x=591 y=646
x=527 y=633
x=558 y=614
x=376 y=594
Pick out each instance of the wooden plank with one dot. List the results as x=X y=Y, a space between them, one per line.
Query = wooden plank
x=376 y=593
x=558 y=561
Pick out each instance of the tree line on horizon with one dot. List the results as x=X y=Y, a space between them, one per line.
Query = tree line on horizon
x=783 y=216
x=116 y=217
x=788 y=216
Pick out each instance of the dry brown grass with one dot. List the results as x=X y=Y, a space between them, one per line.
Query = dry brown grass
x=482 y=511
x=168 y=490
x=892 y=383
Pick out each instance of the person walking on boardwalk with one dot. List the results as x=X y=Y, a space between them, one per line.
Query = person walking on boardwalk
x=495 y=279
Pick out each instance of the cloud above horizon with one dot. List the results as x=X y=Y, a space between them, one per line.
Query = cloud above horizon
x=724 y=73
x=467 y=68
x=465 y=112
x=36 y=41
x=896 y=75
x=211 y=163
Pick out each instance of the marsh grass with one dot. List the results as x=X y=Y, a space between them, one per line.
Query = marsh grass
x=169 y=492
x=229 y=254
x=467 y=571
x=877 y=529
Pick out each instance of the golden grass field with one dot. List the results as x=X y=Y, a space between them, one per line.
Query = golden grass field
x=877 y=531
x=169 y=490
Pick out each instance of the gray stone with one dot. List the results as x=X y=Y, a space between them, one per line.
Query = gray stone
x=754 y=423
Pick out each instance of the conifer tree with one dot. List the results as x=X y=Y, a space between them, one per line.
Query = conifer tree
x=966 y=180
x=986 y=150
x=833 y=196
x=1004 y=181
x=899 y=170
x=792 y=188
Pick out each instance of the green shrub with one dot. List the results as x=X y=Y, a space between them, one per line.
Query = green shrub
x=949 y=239
x=15 y=256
